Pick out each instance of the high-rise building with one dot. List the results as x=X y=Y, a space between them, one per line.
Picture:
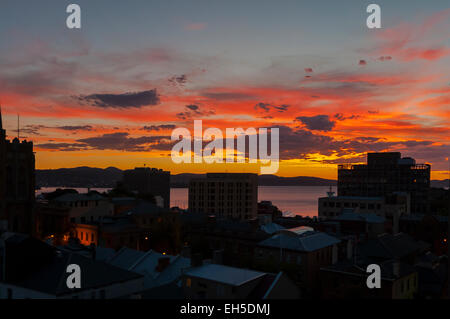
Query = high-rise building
x=146 y=180
x=385 y=174
x=225 y=195
x=17 y=183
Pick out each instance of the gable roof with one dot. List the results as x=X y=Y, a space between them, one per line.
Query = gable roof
x=391 y=246
x=307 y=242
x=125 y=258
x=48 y=274
x=145 y=263
x=224 y=274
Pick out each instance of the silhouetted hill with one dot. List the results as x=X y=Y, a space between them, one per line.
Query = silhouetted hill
x=273 y=180
x=78 y=177
x=108 y=177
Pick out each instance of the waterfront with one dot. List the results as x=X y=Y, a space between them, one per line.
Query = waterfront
x=297 y=200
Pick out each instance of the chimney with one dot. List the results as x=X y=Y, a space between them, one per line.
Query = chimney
x=163 y=263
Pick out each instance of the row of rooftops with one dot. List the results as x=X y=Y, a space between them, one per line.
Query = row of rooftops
x=301 y=240
x=149 y=264
x=46 y=267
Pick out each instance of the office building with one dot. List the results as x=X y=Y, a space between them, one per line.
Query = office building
x=385 y=174
x=146 y=180
x=225 y=195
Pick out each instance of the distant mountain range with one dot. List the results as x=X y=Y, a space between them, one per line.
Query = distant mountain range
x=108 y=177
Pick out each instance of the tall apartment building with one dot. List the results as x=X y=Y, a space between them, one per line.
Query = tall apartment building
x=17 y=184
x=146 y=180
x=385 y=174
x=225 y=195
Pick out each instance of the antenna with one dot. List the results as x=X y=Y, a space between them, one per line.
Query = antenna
x=18 y=126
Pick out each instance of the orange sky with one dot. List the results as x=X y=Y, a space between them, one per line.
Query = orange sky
x=83 y=104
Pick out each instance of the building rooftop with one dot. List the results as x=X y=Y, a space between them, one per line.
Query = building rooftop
x=389 y=246
x=146 y=264
x=390 y=270
x=45 y=269
x=354 y=198
x=367 y=217
x=307 y=242
x=125 y=258
x=72 y=197
x=224 y=274
x=144 y=207
x=271 y=228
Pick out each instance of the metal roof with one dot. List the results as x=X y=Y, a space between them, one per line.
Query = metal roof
x=224 y=274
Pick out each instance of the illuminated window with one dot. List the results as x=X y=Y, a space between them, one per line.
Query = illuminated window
x=188 y=282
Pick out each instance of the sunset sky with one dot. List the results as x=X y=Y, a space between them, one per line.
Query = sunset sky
x=111 y=93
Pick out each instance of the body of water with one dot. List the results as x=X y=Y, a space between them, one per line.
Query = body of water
x=296 y=200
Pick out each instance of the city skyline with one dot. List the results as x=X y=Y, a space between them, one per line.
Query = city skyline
x=111 y=93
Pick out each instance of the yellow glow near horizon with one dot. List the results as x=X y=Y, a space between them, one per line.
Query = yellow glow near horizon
x=129 y=160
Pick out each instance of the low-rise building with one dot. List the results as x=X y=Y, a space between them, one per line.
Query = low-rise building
x=31 y=269
x=391 y=207
x=347 y=279
x=302 y=247
x=212 y=281
x=83 y=208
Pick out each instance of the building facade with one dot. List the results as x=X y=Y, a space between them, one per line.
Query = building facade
x=17 y=183
x=146 y=180
x=225 y=195
x=385 y=174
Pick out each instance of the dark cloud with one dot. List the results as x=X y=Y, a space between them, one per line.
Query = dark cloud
x=63 y=147
x=300 y=143
x=193 y=110
x=318 y=122
x=159 y=127
x=342 y=117
x=35 y=129
x=192 y=107
x=75 y=128
x=125 y=100
x=121 y=141
x=178 y=80
x=32 y=129
x=385 y=58
x=266 y=107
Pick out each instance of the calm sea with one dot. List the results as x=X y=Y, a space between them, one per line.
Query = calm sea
x=291 y=200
